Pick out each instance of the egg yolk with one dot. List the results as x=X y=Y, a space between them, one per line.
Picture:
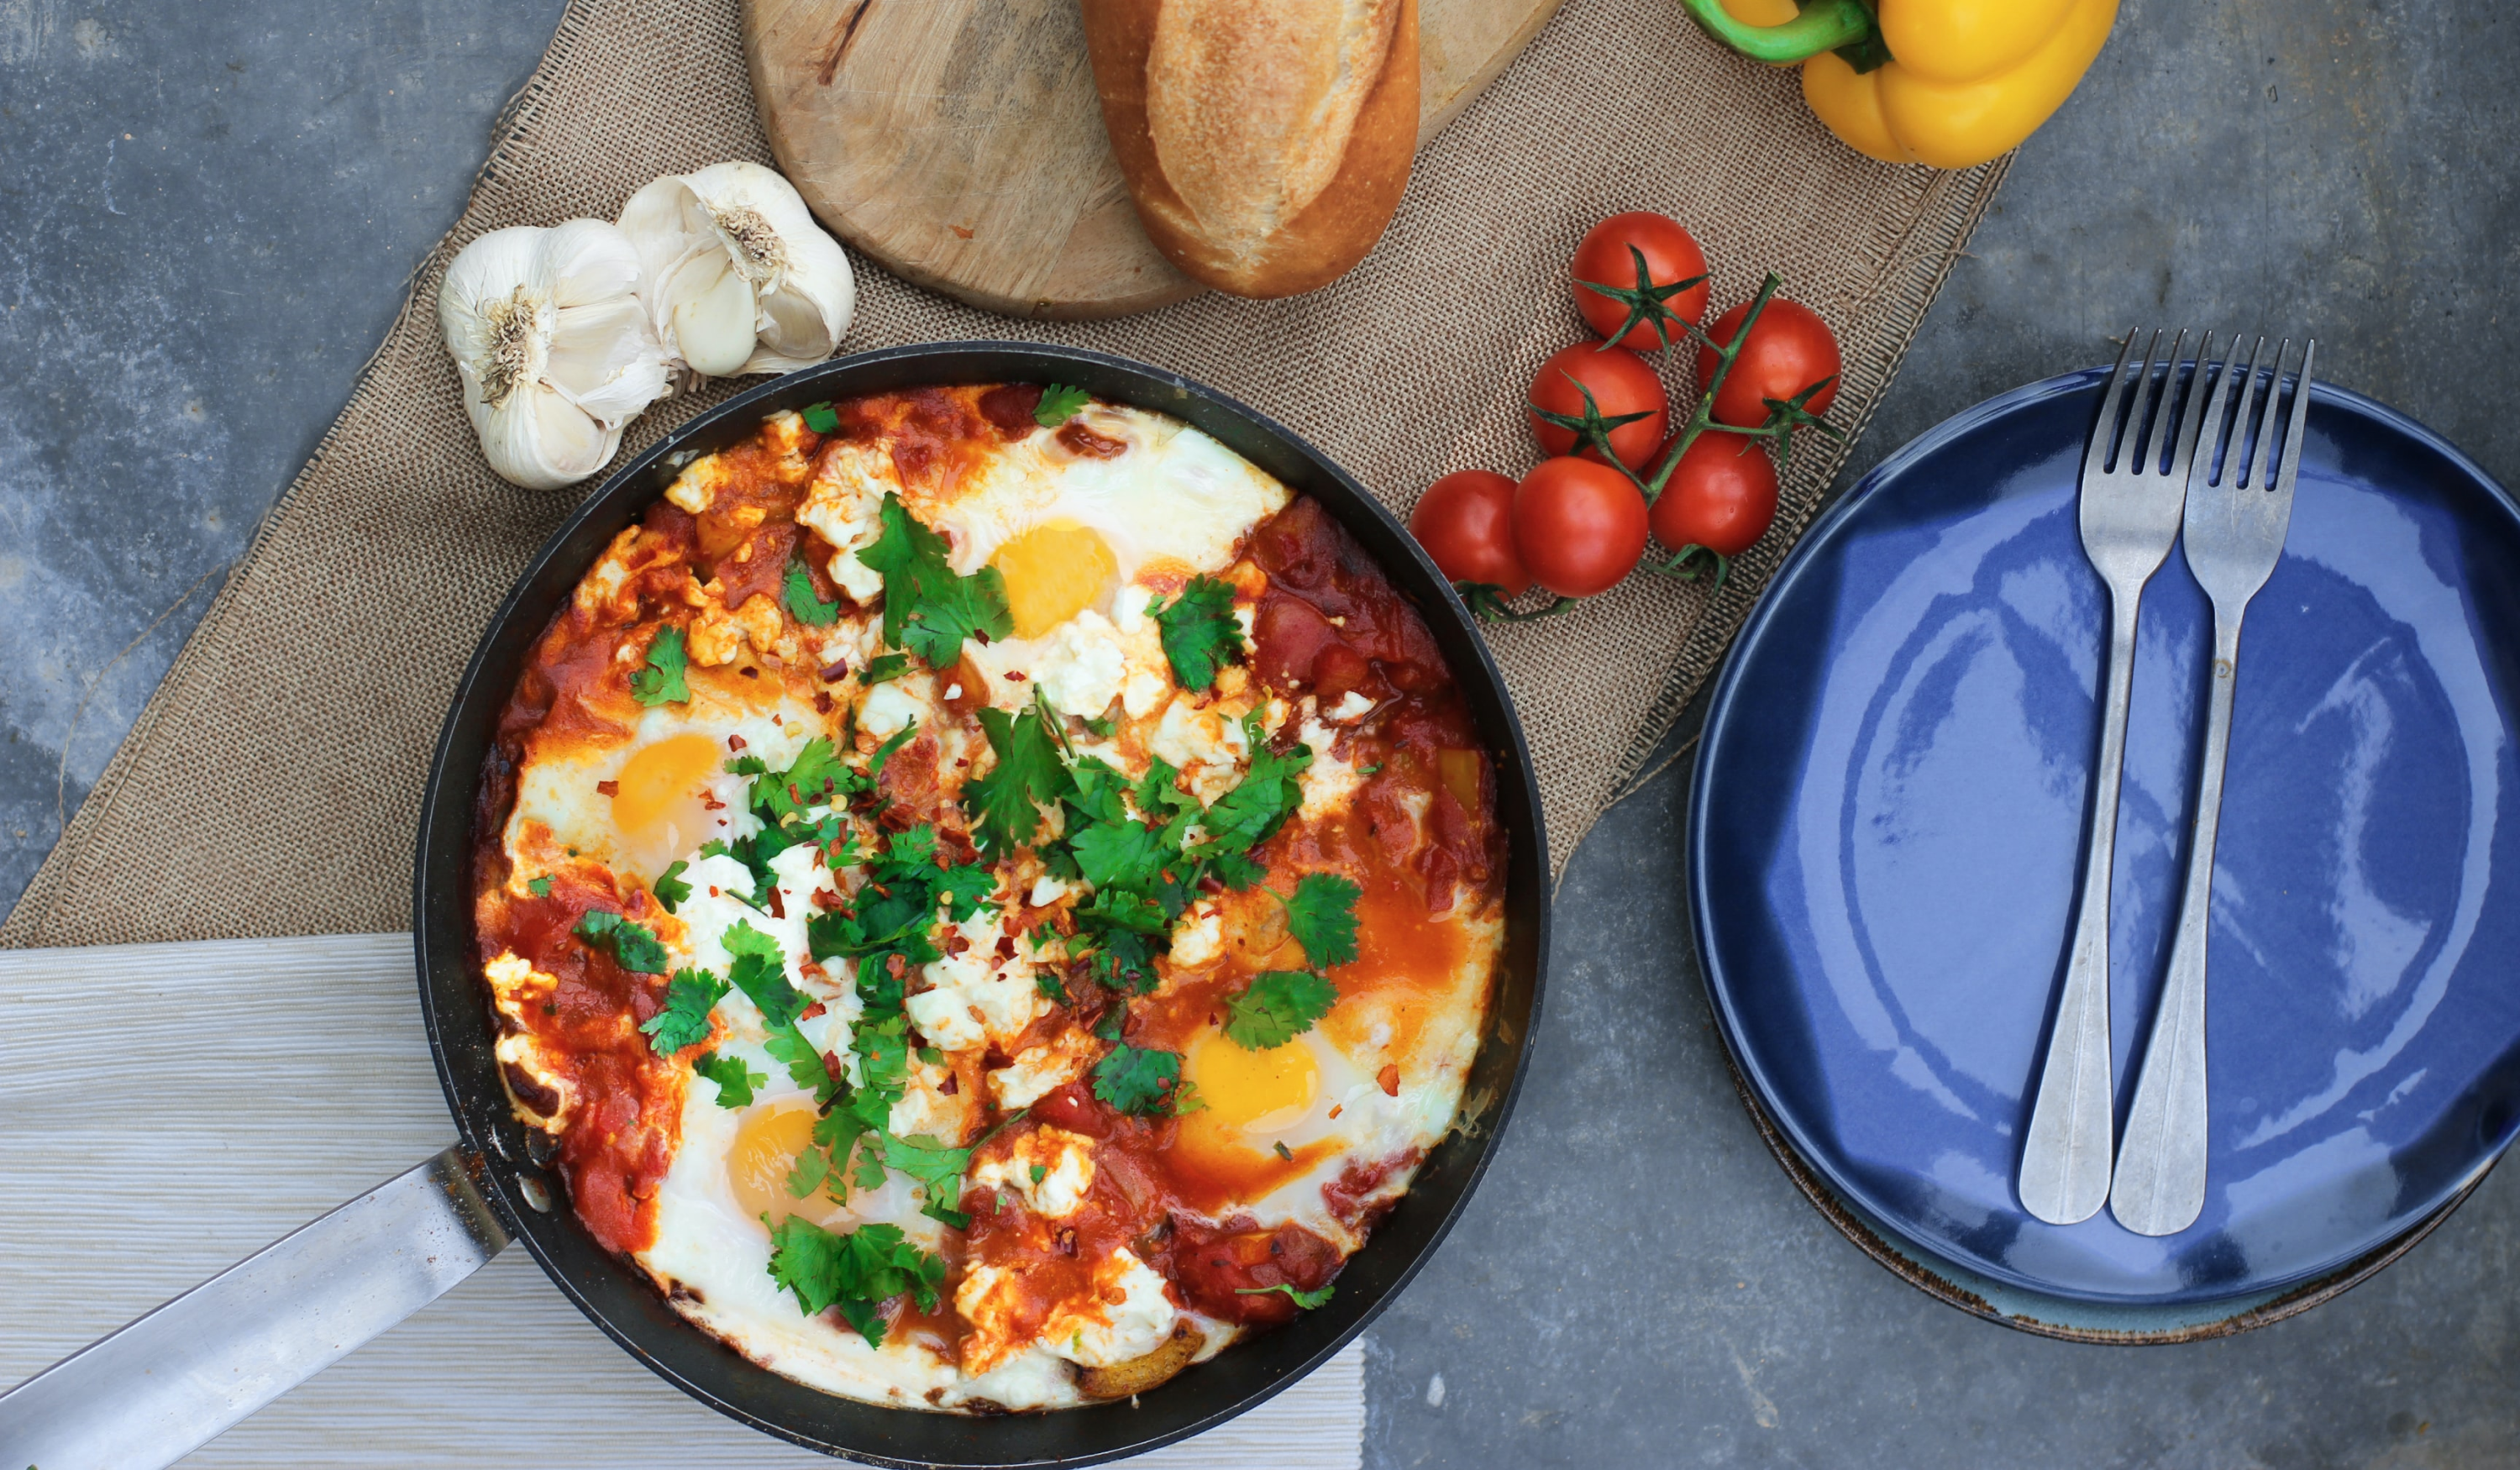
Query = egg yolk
x=1053 y=571
x=656 y=801
x=765 y=1150
x=1248 y=1094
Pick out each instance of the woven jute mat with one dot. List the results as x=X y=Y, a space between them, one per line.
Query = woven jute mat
x=272 y=785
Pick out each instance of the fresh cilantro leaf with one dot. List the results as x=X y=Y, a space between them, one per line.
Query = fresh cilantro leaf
x=1200 y=634
x=760 y=972
x=938 y=1169
x=541 y=887
x=669 y=888
x=1236 y=870
x=1102 y=725
x=1007 y=801
x=1059 y=404
x=1125 y=960
x=820 y=418
x=1040 y=1171
x=856 y=1272
x=883 y=752
x=1282 y=1151
x=883 y=668
x=1278 y=1007
x=1117 y=854
x=1047 y=985
x=1139 y=1081
x=685 y=1020
x=736 y=1082
x=788 y=1047
x=1260 y=803
x=633 y=946
x=1308 y=1300
x=928 y=608
x=817 y=777
x=1321 y=915
x=802 y=605
x=661 y=681
x=812 y=1168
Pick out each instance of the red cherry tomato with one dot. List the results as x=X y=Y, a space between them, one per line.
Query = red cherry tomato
x=1671 y=256
x=1466 y=522
x=1580 y=525
x=1621 y=381
x=1721 y=496
x=1790 y=349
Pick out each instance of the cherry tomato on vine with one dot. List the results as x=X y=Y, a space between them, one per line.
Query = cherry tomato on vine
x=1635 y=315
x=1721 y=496
x=1790 y=349
x=1466 y=522
x=1579 y=524
x=1621 y=384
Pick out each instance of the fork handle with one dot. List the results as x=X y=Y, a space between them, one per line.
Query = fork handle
x=2160 y=1188
x=2065 y=1155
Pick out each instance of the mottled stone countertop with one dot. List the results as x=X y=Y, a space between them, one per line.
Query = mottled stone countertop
x=205 y=218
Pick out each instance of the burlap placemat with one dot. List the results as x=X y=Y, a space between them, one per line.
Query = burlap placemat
x=272 y=784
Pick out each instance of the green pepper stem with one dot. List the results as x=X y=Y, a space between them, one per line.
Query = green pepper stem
x=1823 y=26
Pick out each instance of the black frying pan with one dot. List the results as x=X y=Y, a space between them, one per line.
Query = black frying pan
x=493 y=1180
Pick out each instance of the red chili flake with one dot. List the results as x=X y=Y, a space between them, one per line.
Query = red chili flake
x=981 y=636
x=713 y=804
x=1129 y=1027
x=835 y=671
x=899 y=966
x=1068 y=1241
x=824 y=898
x=1014 y=676
x=811 y=1012
x=1006 y=947
x=713 y=893
x=822 y=702
x=1389 y=1079
x=608 y=788
x=955 y=943
x=735 y=741
x=778 y=905
x=1336 y=1109
x=748 y=672
x=950 y=1085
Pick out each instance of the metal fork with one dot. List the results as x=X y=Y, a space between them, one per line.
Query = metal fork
x=2235 y=527
x=2129 y=509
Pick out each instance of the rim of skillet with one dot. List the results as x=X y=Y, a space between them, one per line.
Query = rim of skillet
x=509 y=1163
x=1807 y=554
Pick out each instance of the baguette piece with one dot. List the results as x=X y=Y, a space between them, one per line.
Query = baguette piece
x=1266 y=142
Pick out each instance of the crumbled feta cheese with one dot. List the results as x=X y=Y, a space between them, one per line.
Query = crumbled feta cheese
x=1199 y=937
x=1079 y=665
x=889 y=708
x=1039 y=1069
x=1048 y=890
x=1097 y=1332
x=696 y=488
x=1352 y=707
x=1065 y=1162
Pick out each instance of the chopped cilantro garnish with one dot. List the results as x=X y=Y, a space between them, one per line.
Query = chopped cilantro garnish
x=1102 y=725
x=1278 y=1007
x=1135 y=1080
x=1260 y=803
x=928 y=608
x=1007 y=801
x=661 y=681
x=669 y=888
x=541 y=887
x=856 y=1272
x=685 y=1020
x=736 y=1082
x=883 y=752
x=760 y=972
x=1284 y=1151
x=1200 y=634
x=802 y=604
x=938 y=1169
x=1321 y=915
x=1308 y=1300
x=632 y=945
x=820 y=418
x=1040 y=1171
x=883 y=668
x=788 y=1047
x=1059 y=404
x=817 y=777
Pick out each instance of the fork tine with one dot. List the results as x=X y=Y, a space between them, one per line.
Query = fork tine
x=2191 y=417
x=2210 y=436
x=2096 y=458
x=2236 y=442
x=2150 y=464
x=2288 y=468
x=2262 y=453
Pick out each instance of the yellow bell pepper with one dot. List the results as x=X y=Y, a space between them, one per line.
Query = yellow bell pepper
x=1946 y=82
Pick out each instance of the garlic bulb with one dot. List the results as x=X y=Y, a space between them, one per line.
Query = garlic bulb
x=737 y=277
x=554 y=348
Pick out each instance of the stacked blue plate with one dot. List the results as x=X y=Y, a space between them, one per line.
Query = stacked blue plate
x=1890 y=809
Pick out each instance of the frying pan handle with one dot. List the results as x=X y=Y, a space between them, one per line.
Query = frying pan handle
x=158 y=1389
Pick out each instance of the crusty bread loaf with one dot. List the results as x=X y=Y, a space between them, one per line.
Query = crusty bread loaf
x=1266 y=141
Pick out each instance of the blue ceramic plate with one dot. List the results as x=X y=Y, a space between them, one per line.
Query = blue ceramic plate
x=1889 y=814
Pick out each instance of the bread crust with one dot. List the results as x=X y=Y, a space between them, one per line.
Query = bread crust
x=1266 y=143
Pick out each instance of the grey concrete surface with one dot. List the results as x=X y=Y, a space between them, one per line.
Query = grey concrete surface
x=204 y=218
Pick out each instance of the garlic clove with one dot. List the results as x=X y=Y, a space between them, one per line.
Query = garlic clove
x=738 y=221
x=713 y=324
x=551 y=346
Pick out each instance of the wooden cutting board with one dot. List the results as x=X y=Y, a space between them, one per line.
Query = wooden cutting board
x=959 y=143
